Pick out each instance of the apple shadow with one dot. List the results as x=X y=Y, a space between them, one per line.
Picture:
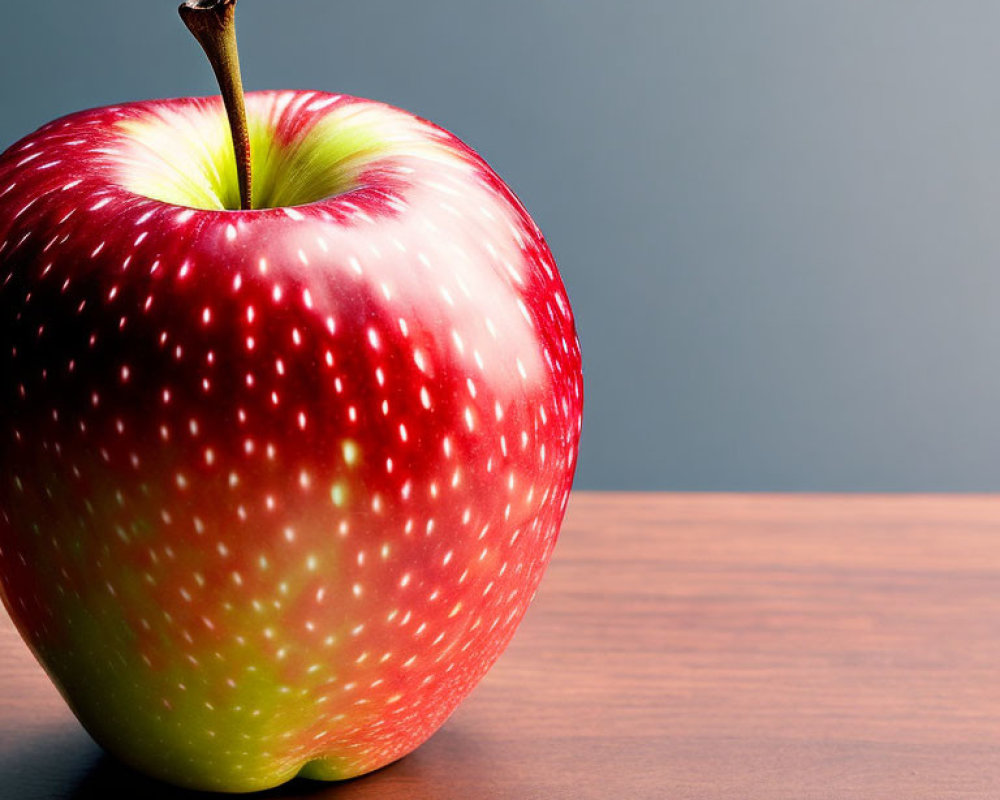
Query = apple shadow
x=66 y=764
x=45 y=765
x=111 y=778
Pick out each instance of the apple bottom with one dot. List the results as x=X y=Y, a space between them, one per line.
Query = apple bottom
x=224 y=716
x=263 y=741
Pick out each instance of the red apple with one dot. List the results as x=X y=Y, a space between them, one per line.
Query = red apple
x=278 y=484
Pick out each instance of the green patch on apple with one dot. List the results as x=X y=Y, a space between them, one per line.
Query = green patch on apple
x=187 y=158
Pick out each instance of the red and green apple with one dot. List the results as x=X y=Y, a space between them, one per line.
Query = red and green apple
x=279 y=474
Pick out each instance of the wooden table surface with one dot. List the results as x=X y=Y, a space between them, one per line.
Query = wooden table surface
x=684 y=646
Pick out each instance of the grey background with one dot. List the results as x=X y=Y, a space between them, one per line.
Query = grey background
x=777 y=221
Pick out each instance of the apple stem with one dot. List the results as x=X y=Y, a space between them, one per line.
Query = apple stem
x=213 y=23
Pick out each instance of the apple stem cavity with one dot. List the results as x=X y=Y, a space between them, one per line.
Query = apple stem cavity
x=213 y=24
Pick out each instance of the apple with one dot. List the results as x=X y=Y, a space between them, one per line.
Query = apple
x=277 y=483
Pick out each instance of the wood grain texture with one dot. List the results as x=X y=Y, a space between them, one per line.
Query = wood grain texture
x=684 y=646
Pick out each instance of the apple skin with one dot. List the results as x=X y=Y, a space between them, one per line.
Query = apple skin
x=276 y=486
